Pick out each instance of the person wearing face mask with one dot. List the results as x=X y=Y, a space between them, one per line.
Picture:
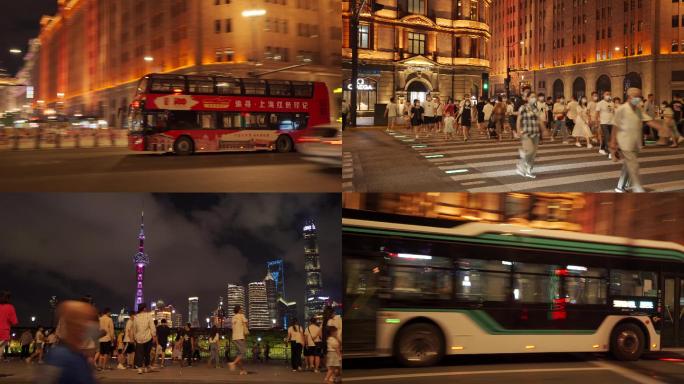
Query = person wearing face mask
x=581 y=127
x=417 y=117
x=560 y=111
x=543 y=117
x=593 y=115
x=466 y=119
x=572 y=114
x=606 y=111
x=627 y=137
x=667 y=114
x=528 y=121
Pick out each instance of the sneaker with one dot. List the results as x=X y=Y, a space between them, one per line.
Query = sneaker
x=638 y=189
x=140 y=371
x=520 y=172
x=530 y=175
x=610 y=156
x=243 y=372
x=316 y=371
x=603 y=152
x=120 y=366
x=231 y=366
x=619 y=190
x=578 y=145
x=589 y=146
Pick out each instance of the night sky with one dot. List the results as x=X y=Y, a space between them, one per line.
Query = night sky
x=70 y=245
x=19 y=22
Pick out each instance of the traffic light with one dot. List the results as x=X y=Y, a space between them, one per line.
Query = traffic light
x=485 y=84
x=377 y=7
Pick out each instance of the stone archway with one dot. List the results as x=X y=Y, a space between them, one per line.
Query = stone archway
x=417 y=89
x=558 y=89
x=603 y=85
x=579 y=88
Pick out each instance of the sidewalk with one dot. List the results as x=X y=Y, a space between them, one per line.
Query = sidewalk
x=272 y=372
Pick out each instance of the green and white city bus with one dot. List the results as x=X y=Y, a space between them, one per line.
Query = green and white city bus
x=419 y=288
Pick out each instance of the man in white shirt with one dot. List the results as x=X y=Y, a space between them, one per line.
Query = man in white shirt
x=240 y=330
x=429 y=115
x=626 y=135
x=391 y=113
x=543 y=116
x=559 y=114
x=606 y=112
x=129 y=349
x=106 y=326
x=144 y=334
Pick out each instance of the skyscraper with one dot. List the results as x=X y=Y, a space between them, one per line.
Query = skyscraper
x=276 y=269
x=236 y=296
x=313 y=304
x=287 y=310
x=271 y=298
x=141 y=260
x=258 y=306
x=193 y=311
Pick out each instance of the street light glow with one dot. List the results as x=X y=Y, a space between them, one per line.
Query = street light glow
x=15 y=51
x=253 y=12
x=149 y=59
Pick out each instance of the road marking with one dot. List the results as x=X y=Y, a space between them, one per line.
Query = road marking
x=564 y=180
x=474 y=183
x=541 y=171
x=627 y=373
x=467 y=373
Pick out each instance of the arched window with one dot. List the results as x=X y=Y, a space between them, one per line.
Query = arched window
x=603 y=85
x=558 y=89
x=579 y=88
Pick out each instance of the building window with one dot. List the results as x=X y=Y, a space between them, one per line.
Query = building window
x=366 y=94
x=416 y=43
x=416 y=6
x=364 y=36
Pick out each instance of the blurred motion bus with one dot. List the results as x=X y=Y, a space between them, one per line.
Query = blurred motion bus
x=187 y=114
x=420 y=288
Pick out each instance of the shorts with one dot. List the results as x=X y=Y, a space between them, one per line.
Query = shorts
x=241 y=347
x=428 y=119
x=130 y=348
x=106 y=348
x=312 y=351
x=438 y=119
x=162 y=348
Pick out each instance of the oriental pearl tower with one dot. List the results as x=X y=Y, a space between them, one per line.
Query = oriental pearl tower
x=141 y=260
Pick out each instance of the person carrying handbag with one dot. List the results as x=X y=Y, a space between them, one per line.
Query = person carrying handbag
x=313 y=344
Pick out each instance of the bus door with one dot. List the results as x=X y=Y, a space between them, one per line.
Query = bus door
x=672 y=333
x=361 y=302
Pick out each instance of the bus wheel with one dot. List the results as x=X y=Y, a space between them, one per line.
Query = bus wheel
x=627 y=342
x=419 y=345
x=184 y=146
x=284 y=144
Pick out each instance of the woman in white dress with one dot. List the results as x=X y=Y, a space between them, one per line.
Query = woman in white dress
x=582 y=129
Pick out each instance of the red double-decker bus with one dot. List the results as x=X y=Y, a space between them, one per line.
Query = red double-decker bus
x=185 y=114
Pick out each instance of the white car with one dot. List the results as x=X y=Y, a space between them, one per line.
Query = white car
x=322 y=144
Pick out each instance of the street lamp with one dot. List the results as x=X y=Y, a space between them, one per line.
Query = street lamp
x=16 y=51
x=253 y=14
x=149 y=59
x=33 y=319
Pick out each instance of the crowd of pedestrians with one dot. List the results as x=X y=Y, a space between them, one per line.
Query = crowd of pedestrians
x=618 y=128
x=86 y=341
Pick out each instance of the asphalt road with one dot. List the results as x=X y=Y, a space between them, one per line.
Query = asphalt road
x=120 y=170
x=377 y=161
x=654 y=368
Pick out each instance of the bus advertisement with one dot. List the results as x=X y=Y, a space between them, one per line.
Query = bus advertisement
x=418 y=289
x=188 y=114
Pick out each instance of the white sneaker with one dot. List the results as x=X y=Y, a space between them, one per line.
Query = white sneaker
x=602 y=152
x=530 y=175
x=578 y=145
x=638 y=189
x=140 y=371
x=120 y=366
x=520 y=172
x=619 y=190
x=589 y=146
x=610 y=156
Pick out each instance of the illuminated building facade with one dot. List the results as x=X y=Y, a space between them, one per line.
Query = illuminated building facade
x=577 y=47
x=95 y=51
x=414 y=47
x=287 y=310
x=163 y=311
x=236 y=296
x=193 y=312
x=141 y=260
x=258 y=306
x=277 y=271
x=271 y=298
x=640 y=217
x=313 y=304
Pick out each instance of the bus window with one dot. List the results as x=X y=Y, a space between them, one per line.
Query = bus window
x=155 y=120
x=256 y=121
x=302 y=90
x=419 y=277
x=228 y=86
x=182 y=120
x=231 y=120
x=254 y=87
x=536 y=283
x=167 y=84
x=142 y=86
x=206 y=120
x=279 y=88
x=633 y=283
x=483 y=280
x=201 y=85
x=586 y=286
